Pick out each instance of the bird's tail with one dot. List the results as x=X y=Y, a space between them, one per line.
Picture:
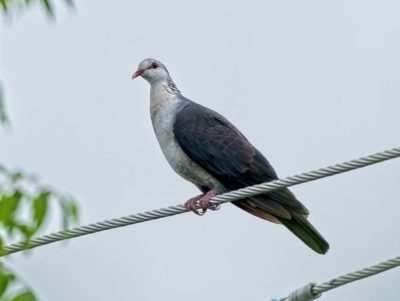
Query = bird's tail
x=295 y=222
x=303 y=229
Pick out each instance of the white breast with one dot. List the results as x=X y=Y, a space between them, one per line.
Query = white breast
x=163 y=107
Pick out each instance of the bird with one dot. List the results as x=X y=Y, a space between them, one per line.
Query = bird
x=204 y=148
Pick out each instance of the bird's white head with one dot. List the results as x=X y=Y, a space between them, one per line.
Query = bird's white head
x=157 y=75
x=152 y=70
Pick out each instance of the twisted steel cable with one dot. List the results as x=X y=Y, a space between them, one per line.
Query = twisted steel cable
x=216 y=200
x=361 y=274
x=312 y=291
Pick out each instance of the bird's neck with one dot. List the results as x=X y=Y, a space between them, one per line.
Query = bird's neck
x=166 y=85
x=163 y=93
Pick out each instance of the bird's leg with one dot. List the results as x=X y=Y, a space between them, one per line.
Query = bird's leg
x=191 y=205
x=204 y=203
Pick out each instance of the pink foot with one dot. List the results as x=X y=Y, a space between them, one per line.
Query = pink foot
x=204 y=203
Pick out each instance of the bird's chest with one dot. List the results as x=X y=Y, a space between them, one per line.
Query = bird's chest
x=163 y=118
x=163 y=121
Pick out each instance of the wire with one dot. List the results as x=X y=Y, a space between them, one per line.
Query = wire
x=216 y=200
x=313 y=291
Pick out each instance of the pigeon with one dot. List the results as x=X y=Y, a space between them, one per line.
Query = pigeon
x=204 y=148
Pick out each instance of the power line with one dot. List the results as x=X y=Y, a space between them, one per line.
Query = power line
x=217 y=200
x=313 y=291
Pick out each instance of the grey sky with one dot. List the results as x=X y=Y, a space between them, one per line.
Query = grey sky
x=310 y=83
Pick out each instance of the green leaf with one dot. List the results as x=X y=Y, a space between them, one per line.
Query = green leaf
x=26 y=230
x=26 y=296
x=70 y=212
x=4 y=280
x=65 y=213
x=16 y=176
x=2 y=251
x=48 y=7
x=74 y=212
x=8 y=206
x=4 y=4
x=3 y=114
x=40 y=204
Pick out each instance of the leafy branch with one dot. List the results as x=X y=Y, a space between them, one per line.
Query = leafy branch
x=24 y=200
x=9 y=6
x=24 y=206
x=22 y=194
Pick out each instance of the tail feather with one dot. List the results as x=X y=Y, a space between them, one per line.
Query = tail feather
x=303 y=229
x=256 y=211
x=297 y=224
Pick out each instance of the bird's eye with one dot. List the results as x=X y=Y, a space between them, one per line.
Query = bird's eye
x=154 y=65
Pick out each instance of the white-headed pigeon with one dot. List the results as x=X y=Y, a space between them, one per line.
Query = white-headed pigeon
x=206 y=149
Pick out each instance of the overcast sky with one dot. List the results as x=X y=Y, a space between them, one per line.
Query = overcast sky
x=310 y=83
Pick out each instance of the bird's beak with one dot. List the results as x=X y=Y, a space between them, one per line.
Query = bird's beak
x=137 y=73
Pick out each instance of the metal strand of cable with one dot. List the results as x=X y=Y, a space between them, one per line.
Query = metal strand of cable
x=220 y=199
x=313 y=291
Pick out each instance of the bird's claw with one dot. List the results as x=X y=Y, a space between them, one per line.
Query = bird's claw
x=191 y=205
x=204 y=203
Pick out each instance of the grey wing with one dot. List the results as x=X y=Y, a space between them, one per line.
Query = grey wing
x=218 y=147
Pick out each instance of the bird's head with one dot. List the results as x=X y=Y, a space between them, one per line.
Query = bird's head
x=152 y=70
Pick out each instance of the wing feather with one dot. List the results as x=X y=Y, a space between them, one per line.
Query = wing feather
x=217 y=146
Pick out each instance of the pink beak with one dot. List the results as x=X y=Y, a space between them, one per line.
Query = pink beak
x=137 y=73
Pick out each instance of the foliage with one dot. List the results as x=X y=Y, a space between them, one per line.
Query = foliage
x=8 y=280
x=24 y=200
x=24 y=206
x=9 y=6
x=22 y=194
x=3 y=115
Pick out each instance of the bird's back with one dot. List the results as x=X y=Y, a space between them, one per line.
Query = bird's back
x=223 y=151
